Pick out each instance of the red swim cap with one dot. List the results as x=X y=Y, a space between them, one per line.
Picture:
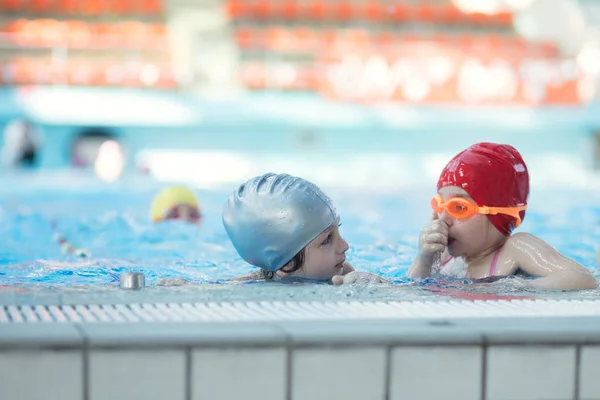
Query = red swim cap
x=494 y=175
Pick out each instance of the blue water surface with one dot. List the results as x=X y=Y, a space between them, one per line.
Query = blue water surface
x=111 y=222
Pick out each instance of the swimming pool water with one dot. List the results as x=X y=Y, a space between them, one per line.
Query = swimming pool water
x=111 y=222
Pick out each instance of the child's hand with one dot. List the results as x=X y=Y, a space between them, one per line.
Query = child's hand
x=433 y=240
x=179 y=281
x=358 y=278
x=347 y=268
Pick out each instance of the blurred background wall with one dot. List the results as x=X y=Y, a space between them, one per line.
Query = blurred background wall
x=369 y=92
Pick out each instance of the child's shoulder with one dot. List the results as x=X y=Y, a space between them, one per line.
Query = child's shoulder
x=520 y=237
x=523 y=241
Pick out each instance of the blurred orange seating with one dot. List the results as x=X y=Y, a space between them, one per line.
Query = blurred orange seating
x=307 y=78
x=548 y=49
x=93 y=7
x=429 y=12
x=132 y=33
x=236 y=9
x=78 y=73
x=316 y=10
x=259 y=76
x=49 y=32
x=41 y=6
x=166 y=79
x=245 y=38
x=83 y=72
x=289 y=8
x=374 y=10
x=151 y=7
x=315 y=77
x=79 y=33
x=22 y=71
x=308 y=39
x=345 y=10
x=368 y=10
x=253 y=75
x=68 y=6
x=262 y=8
x=399 y=12
x=85 y=7
x=11 y=5
x=122 y=7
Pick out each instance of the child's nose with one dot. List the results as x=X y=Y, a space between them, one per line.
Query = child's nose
x=447 y=218
x=343 y=246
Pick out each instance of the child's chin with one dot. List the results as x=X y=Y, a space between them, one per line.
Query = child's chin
x=453 y=250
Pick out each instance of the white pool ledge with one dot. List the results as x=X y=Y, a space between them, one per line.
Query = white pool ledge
x=481 y=350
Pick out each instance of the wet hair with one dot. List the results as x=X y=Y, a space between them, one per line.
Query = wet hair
x=291 y=266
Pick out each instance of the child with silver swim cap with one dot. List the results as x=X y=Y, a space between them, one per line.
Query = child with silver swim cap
x=288 y=228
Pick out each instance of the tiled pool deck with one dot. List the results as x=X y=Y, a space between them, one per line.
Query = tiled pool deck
x=480 y=350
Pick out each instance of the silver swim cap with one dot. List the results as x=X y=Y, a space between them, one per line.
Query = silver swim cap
x=270 y=218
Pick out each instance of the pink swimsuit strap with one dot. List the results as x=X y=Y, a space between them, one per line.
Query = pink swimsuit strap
x=445 y=262
x=492 y=265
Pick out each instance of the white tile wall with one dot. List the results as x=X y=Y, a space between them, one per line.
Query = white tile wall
x=417 y=372
x=246 y=374
x=338 y=373
x=436 y=372
x=41 y=375
x=137 y=374
x=530 y=372
x=589 y=373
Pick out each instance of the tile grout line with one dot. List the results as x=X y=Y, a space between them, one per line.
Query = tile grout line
x=388 y=372
x=484 y=357
x=85 y=359
x=577 y=372
x=288 y=346
x=188 y=373
x=289 y=374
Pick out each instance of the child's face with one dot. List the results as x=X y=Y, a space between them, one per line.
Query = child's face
x=184 y=212
x=471 y=236
x=325 y=255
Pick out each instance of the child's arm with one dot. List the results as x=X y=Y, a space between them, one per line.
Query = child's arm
x=358 y=277
x=252 y=276
x=537 y=258
x=178 y=281
x=418 y=269
x=349 y=276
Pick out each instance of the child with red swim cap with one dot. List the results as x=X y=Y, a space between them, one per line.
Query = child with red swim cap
x=482 y=197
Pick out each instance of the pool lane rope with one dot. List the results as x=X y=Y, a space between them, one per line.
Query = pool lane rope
x=66 y=246
x=69 y=248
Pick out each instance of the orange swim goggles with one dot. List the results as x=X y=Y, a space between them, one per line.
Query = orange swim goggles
x=461 y=208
